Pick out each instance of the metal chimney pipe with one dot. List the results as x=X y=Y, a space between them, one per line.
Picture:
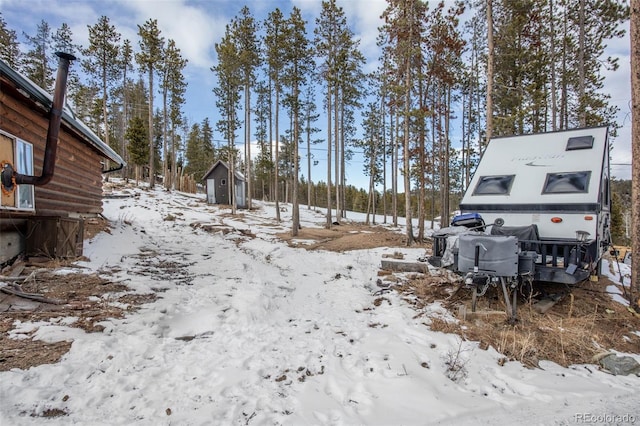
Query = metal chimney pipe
x=55 y=117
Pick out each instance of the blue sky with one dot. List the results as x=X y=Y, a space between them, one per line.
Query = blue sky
x=196 y=25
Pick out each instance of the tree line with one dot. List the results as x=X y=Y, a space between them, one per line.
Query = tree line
x=509 y=67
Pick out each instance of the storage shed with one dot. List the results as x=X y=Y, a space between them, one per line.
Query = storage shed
x=51 y=167
x=217 y=185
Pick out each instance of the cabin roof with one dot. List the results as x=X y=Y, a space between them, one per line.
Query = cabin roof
x=40 y=96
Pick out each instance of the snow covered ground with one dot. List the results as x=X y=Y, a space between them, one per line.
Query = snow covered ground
x=249 y=331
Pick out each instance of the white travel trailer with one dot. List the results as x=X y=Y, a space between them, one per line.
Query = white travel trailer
x=558 y=181
x=552 y=192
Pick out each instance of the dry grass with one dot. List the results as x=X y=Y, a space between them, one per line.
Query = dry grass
x=584 y=323
x=345 y=237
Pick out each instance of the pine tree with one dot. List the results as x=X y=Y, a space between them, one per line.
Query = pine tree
x=229 y=73
x=63 y=42
x=309 y=118
x=177 y=89
x=244 y=33
x=299 y=63
x=207 y=150
x=403 y=25
x=148 y=58
x=274 y=41
x=173 y=87
x=371 y=146
x=635 y=152
x=193 y=152
x=37 y=60
x=138 y=146
x=125 y=62
x=9 y=45
x=445 y=46
x=101 y=63
x=264 y=164
x=330 y=26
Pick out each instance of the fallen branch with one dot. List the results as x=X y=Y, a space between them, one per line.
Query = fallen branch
x=16 y=290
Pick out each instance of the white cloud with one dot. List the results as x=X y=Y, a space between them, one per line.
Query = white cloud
x=192 y=26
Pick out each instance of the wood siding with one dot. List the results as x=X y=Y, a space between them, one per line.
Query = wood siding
x=76 y=186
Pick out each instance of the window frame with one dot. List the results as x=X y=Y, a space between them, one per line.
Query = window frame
x=24 y=195
x=576 y=143
x=585 y=178
x=485 y=179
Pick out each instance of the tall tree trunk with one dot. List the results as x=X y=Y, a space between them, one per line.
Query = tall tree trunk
x=444 y=177
x=165 y=147
x=247 y=142
x=582 y=113
x=152 y=162
x=464 y=151
x=342 y=166
x=421 y=156
x=446 y=208
x=552 y=53
x=295 y=214
x=232 y=168
x=329 y=110
x=490 y=61
x=635 y=150
x=173 y=172
x=406 y=160
x=384 y=158
x=371 y=188
x=309 y=182
x=277 y=150
x=434 y=147
x=104 y=108
x=125 y=102
x=395 y=162
x=564 y=97
x=336 y=125
x=271 y=191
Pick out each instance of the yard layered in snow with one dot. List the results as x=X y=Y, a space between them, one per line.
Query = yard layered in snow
x=248 y=330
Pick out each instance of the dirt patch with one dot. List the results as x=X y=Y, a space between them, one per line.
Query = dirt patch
x=585 y=322
x=345 y=237
x=94 y=225
x=86 y=297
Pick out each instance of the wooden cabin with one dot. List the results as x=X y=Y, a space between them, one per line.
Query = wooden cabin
x=217 y=185
x=46 y=213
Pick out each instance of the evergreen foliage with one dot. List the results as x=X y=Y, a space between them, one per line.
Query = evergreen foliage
x=9 y=45
x=138 y=141
x=37 y=61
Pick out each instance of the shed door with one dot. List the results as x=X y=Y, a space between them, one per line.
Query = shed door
x=222 y=191
x=211 y=191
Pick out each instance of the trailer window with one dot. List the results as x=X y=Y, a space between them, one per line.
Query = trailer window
x=494 y=185
x=567 y=183
x=580 y=142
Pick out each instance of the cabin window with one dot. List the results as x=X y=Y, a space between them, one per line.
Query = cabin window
x=580 y=142
x=494 y=185
x=19 y=155
x=223 y=182
x=567 y=183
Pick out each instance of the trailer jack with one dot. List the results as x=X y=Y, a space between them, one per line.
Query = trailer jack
x=480 y=282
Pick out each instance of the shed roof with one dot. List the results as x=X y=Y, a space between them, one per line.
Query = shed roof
x=40 y=96
x=237 y=174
